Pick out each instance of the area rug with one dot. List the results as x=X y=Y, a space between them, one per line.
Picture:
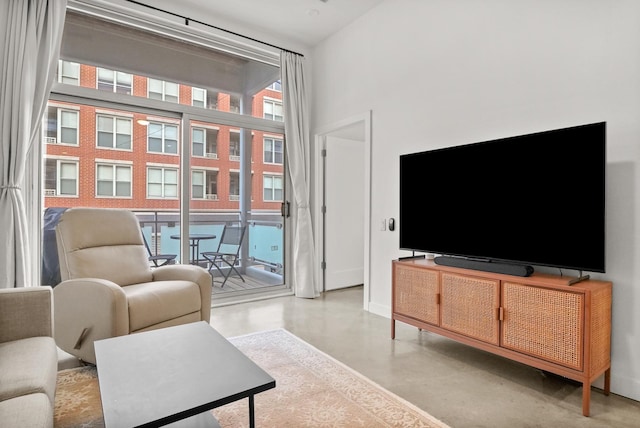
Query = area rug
x=312 y=390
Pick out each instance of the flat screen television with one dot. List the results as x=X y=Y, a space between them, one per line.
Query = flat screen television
x=535 y=199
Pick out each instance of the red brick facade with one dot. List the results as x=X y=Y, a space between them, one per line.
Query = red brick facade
x=87 y=154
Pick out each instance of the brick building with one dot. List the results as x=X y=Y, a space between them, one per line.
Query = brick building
x=104 y=157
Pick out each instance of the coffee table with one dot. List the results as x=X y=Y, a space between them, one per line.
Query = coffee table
x=167 y=375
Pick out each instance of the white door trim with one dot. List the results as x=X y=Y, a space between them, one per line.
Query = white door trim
x=320 y=134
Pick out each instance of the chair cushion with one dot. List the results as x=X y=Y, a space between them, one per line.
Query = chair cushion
x=156 y=302
x=28 y=366
x=27 y=411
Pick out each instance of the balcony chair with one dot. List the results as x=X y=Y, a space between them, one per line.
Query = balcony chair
x=159 y=259
x=227 y=254
x=108 y=288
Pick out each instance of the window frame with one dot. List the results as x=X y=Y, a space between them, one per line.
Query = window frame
x=163 y=94
x=62 y=76
x=163 y=139
x=272 y=188
x=114 y=180
x=114 y=84
x=114 y=131
x=60 y=161
x=163 y=183
x=273 y=151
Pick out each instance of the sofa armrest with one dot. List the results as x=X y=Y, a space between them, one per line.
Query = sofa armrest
x=25 y=312
x=191 y=273
x=86 y=310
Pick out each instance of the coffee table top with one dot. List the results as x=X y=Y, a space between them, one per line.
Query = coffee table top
x=161 y=376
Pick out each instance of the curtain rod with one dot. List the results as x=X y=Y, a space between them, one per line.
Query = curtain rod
x=187 y=20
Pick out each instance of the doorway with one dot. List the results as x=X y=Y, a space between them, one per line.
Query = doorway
x=343 y=203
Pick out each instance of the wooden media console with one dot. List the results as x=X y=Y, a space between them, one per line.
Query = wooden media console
x=540 y=320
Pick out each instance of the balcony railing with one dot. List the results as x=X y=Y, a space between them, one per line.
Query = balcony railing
x=263 y=241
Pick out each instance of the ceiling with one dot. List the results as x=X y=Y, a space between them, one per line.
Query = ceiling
x=306 y=22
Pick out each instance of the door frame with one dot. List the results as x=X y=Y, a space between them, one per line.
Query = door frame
x=361 y=120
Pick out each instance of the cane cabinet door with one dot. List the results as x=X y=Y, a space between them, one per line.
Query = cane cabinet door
x=415 y=293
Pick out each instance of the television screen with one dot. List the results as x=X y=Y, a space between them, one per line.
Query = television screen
x=534 y=199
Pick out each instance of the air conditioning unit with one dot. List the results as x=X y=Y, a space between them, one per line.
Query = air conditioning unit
x=212 y=196
x=212 y=155
x=50 y=140
x=234 y=158
x=49 y=192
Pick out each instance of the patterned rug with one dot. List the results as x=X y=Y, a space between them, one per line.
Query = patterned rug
x=312 y=390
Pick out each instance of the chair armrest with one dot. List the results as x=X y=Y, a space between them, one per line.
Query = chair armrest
x=189 y=273
x=86 y=310
x=25 y=312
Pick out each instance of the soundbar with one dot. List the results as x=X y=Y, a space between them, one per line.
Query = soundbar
x=487 y=266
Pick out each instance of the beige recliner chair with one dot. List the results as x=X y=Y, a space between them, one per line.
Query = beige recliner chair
x=108 y=288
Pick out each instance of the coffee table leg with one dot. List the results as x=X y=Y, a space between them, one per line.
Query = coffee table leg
x=252 y=416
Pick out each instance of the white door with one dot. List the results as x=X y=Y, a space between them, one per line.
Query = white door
x=344 y=197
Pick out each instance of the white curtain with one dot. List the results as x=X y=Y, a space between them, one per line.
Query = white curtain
x=30 y=36
x=296 y=125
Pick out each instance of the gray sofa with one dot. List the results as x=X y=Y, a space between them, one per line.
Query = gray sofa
x=28 y=357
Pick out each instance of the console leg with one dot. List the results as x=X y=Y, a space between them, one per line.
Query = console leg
x=607 y=381
x=586 y=398
x=393 y=329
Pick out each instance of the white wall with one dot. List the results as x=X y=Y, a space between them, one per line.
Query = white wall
x=440 y=72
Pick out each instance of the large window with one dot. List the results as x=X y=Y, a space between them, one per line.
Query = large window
x=113 y=132
x=61 y=177
x=133 y=140
x=162 y=183
x=113 y=180
x=162 y=138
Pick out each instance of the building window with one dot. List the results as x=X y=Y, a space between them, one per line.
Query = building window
x=198 y=97
x=198 y=140
x=114 y=81
x=275 y=86
x=162 y=183
x=162 y=138
x=234 y=186
x=113 y=180
x=61 y=126
x=211 y=180
x=234 y=104
x=162 y=90
x=197 y=184
x=204 y=142
x=204 y=98
x=234 y=146
x=61 y=177
x=273 y=151
x=272 y=185
x=69 y=73
x=273 y=110
x=114 y=132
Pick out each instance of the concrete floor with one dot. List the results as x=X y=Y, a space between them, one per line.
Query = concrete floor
x=455 y=383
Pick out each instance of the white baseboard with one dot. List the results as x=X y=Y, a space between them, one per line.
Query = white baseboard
x=382 y=310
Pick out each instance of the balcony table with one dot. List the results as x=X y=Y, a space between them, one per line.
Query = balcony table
x=194 y=243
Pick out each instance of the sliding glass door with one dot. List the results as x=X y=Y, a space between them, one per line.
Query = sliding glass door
x=191 y=150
